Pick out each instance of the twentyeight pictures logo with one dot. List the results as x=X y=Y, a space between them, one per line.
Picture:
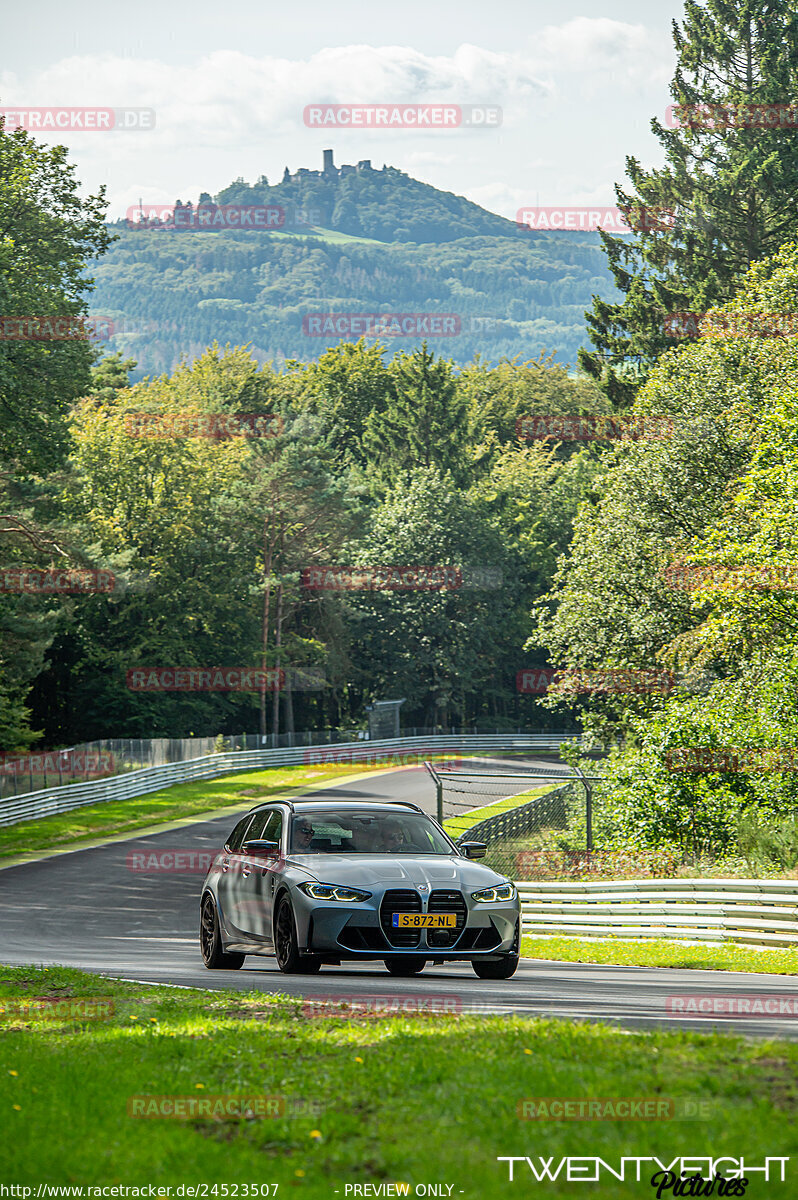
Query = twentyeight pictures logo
x=589 y=1169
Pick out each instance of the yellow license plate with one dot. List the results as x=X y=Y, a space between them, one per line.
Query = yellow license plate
x=425 y=920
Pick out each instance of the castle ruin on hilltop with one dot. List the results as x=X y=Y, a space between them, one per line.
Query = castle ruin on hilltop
x=328 y=171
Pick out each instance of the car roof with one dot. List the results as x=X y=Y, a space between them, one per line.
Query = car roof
x=344 y=805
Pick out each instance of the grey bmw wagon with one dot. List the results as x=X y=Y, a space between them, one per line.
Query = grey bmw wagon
x=315 y=881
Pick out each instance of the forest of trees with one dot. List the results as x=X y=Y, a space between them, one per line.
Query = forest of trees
x=171 y=293
x=399 y=463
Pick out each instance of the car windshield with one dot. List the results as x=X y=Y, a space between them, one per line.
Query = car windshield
x=354 y=832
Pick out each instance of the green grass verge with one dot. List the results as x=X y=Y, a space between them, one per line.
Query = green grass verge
x=662 y=953
x=457 y=826
x=411 y=1099
x=181 y=800
x=327 y=235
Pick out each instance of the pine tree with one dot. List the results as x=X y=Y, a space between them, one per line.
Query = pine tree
x=424 y=422
x=727 y=196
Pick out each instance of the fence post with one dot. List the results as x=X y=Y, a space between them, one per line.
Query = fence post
x=438 y=790
x=588 y=809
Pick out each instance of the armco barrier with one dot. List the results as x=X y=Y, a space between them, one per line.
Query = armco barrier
x=150 y=779
x=762 y=912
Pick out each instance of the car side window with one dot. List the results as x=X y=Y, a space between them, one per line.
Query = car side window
x=259 y=822
x=273 y=829
x=236 y=838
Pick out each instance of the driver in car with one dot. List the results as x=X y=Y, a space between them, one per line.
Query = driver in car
x=303 y=835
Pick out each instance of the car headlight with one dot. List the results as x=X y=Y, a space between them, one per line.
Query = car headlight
x=332 y=891
x=503 y=891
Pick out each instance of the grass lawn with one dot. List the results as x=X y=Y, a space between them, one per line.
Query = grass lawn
x=662 y=953
x=328 y=235
x=457 y=826
x=180 y=801
x=416 y=1099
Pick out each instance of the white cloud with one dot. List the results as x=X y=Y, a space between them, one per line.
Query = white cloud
x=590 y=45
x=501 y=198
x=228 y=94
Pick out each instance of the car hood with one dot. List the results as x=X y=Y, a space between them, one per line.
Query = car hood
x=400 y=870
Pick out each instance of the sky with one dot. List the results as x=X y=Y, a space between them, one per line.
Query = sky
x=229 y=82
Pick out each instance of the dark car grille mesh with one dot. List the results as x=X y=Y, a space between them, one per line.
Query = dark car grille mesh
x=399 y=900
x=446 y=902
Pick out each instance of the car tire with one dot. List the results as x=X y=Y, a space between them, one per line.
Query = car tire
x=503 y=967
x=405 y=966
x=496 y=968
x=213 y=955
x=286 y=944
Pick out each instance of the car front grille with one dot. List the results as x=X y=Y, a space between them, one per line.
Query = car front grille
x=441 y=901
x=399 y=900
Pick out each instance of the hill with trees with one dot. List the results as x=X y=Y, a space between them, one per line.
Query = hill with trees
x=363 y=242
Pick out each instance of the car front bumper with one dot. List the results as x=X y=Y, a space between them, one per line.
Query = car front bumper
x=364 y=930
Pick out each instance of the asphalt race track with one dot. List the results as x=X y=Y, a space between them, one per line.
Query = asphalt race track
x=88 y=909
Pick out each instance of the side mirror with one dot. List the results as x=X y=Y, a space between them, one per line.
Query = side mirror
x=259 y=848
x=473 y=849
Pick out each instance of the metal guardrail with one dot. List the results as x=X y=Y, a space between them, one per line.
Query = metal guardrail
x=150 y=779
x=100 y=759
x=761 y=912
x=516 y=822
